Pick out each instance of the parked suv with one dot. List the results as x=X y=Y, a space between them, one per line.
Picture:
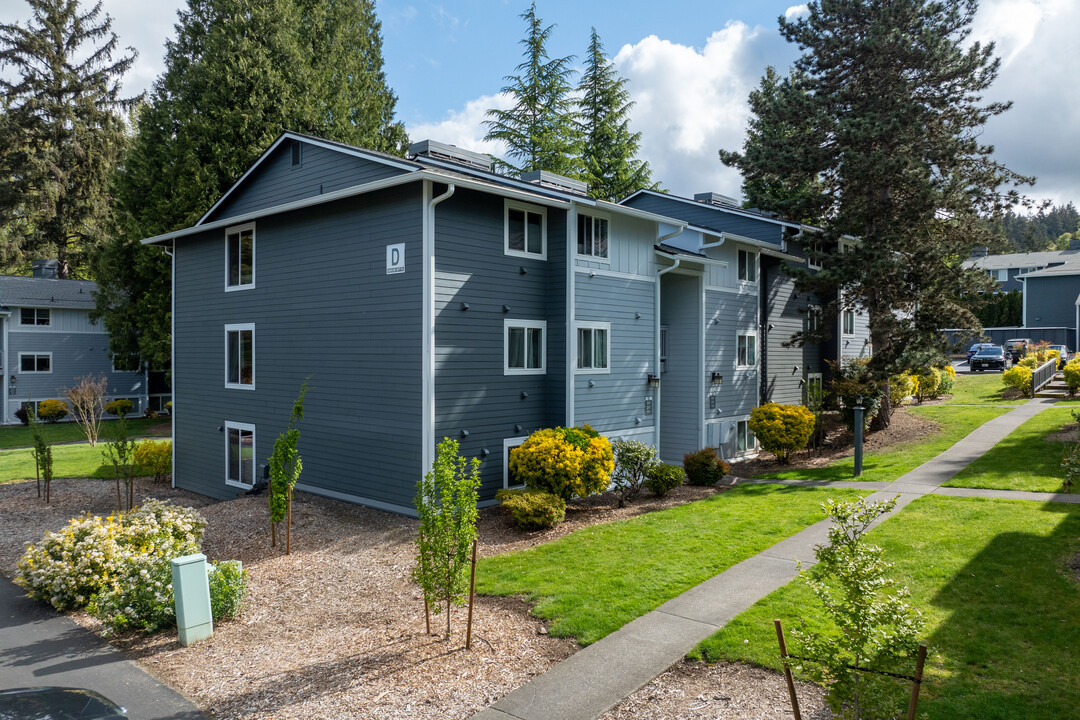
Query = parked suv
x=994 y=357
x=1017 y=347
x=1064 y=356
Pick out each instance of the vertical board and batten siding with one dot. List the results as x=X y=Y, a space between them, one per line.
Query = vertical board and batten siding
x=616 y=402
x=631 y=247
x=1051 y=302
x=710 y=216
x=61 y=320
x=324 y=308
x=680 y=383
x=472 y=393
x=321 y=170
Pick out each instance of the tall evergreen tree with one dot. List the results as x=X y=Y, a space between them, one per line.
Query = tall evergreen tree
x=609 y=156
x=239 y=73
x=541 y=131
x=61 y=133
x=893 y=109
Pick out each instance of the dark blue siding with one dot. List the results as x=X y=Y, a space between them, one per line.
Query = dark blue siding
x=709 y=216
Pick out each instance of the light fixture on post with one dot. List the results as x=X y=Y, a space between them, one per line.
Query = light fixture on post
x=717 y=378
x=653 y=380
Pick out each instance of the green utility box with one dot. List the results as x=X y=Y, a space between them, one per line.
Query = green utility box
x=191 y=590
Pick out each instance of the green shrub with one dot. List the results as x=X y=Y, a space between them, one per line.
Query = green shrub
x=1018 y=377
x=1028 y=362
x=153 y=457
x=1071 y=371
x=782 y=430
x=633 y=460
x=901 y=387
x=532 y=509
x=927 y=381
x=52 y=410
x=564 y=461
x=948 y=380
x=704 y=467
x=228 y=586
x=168 y=407
x=119 y=407
x=662 y=479
x=852 y=378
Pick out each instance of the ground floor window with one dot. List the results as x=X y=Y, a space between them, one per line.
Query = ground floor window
x=814 y=389
x=593 y=347
x=35 y=362
x=747 y=347
x=744 y=437
x=849 y=322
x=239 y=454
x=509 y=444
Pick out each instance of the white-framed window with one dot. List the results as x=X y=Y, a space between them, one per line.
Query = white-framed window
x=240 y=257
x=745 y=441
x=747 y=266
x=592 y=237
x=35 y=316
x=816 y=247
x=525 y=230
x=524 y=347
x=509 y=481
x=849 y=322
x=240 y=356
x=35 y=362
x=593 y=347
x=112 y=365
x=747 y=350
x=663 y=348
x=813 y=318
x=1002 y=275
x=814 y=387
x=239 y=454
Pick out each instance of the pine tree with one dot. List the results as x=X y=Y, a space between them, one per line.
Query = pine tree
x=892 y=109
x=609 y=157
x=61 y=133
x=239 y=73
x=541 y=131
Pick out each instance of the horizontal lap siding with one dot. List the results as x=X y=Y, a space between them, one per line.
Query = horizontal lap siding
x=277 y=181
x=323 y=308
x=726 y=315
x=617 y=398
x=471 y=391
x=710 y=216
x=1051 y=301
x=786 y=367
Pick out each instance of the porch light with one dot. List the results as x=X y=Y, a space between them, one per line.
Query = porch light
x=653 y=380
x=717 y=378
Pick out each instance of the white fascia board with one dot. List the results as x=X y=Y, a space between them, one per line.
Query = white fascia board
x=692 y=258
x=766 y=247
x=405 y=178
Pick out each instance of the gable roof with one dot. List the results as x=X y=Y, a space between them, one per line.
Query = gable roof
x=750 y=214
x=1020 y=260
x=20 y=291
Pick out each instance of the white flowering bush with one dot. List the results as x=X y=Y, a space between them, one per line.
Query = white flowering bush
x=117 y=565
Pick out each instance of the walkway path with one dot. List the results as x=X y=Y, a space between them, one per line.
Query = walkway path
x=596 y=678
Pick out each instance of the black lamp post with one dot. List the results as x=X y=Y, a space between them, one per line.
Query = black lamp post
x=858 y=433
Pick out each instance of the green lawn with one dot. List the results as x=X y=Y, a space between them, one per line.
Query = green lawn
x=20 y=436
x=1024 y=460
x=890 y=463
x=993 y=579
x=595 y=580
x=979 y=389
x=69 y=461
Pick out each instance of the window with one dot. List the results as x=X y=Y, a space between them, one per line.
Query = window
x=35 y=362
x=592 y=347
x=812 y=249
x=240 y=258
x=849 y=322
x=524 y=351
x=239 y=454
x=35 y=316
x=240 y=356
x=592 y=237
x=526 y=230
x=663 y=348
x=744 y=437
x=747 y=266
x=510 y=444
x=813 y=318
x=120 y=369
x=1002 y=275
x=747 y=351
x=814 y=389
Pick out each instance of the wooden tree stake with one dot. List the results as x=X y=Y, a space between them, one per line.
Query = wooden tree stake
x=787 y=669
x=288 y=526
x=913 y=706
x=273 y=534
x=472 y=596
x=37 y=473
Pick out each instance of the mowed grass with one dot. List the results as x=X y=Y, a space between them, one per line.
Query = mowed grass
x=889 y=463
x=1024 y=460
x=14 y=436
x=979 y=389
x=993 y=579
x=69 y=461
x=595 y=580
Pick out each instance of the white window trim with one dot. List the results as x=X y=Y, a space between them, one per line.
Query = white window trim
x=254 y=465
x=757 y=268
x=757 y=350
x=231 y=231
x=36 y=355
x=810 y=377
x=813 y=312
x=748 y=451
x=528 y=325
x=539 y=210
x=843 y=324
x=237 y=327
x=507 y=444
x=605 y=326
x=35 y=323
x=596 y=258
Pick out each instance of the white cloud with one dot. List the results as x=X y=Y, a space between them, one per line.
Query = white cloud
x=464 y=128
x=796 y=11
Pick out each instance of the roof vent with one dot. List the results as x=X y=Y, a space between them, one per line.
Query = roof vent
x=711 y=198
x=442 y=151
x=45 y=269
x=552 y=180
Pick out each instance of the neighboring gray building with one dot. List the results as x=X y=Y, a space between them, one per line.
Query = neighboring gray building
x=47 y=342
x=431 y=297
x=1006 y=270
x=1052 y=301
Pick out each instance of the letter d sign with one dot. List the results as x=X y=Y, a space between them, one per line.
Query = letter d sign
x=395 y=259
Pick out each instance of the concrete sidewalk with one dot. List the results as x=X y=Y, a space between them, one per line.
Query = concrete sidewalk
x=596 y=678
x=40 y=647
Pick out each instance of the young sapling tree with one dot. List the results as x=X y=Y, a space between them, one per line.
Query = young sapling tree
x=285 y=468
x=120 y=451
x=87 y=401
x=42 y=452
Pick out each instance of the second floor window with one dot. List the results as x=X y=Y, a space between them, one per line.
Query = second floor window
x=240 y=356
x=35 y=316
x=526 y=230
x=592 y=236
x=849 y=322
x=747 y=266
x=240 y=258
x=524 y=347
x=747 y=348
x=593 y=348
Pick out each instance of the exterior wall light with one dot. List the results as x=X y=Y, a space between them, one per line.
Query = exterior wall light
x=718 y=378
x=654 y=380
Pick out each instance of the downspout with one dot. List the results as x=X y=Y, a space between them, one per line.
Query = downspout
x=172 y=361
x=656 y=330
x=571 y=312
x=9 y=371
x=427 y=454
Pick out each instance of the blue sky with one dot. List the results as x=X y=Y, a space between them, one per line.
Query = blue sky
x=690 y=66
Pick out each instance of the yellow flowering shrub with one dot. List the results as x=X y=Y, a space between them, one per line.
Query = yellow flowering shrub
x=946 y=380
x=949 y=370
x=564 y=461
x=52 y=410
x=926 y=383
x=153 y=457
x=1071 y=371
x=1018 y=377
x=901 y=387
x=782 y=430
